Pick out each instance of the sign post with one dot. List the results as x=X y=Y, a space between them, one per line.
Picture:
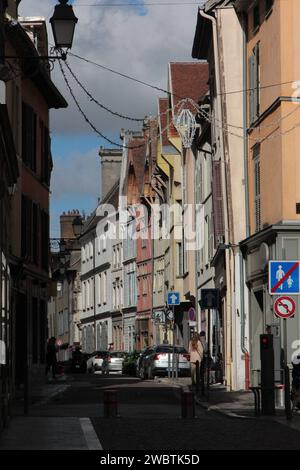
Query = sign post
x=173 y=299
x=209 y=300
x=284 y=279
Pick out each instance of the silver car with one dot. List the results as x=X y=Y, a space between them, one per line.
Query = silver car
x=158 y=360
x=114 y=361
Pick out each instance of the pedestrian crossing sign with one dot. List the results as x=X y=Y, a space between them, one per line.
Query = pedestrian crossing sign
x=284 y=277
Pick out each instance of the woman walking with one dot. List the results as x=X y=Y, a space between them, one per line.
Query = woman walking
x=196 y=355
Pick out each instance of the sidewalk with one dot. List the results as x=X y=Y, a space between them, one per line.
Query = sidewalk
x=26 y=432
x=238 y=404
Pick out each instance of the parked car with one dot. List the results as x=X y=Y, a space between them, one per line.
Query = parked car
x=158 y=360
x=114 y=361
x=95 y=361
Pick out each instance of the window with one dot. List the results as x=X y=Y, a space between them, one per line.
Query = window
x=92 y=292
x=179 y=259
x=83 y=254
x=45 y=153
x=104 y=287
x=256 y=19
x=254 y=70
x=83 y=295
x=29 y=120
x=257 y=202
x=99 y=289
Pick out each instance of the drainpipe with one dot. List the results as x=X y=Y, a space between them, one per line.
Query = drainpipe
x=212 y=19
x=242 y=286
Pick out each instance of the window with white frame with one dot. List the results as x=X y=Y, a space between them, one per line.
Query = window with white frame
x=83 y=295
x=87 y=292
x=99 y=289
x=104 y=292
x=92 y=293
x=179 y=259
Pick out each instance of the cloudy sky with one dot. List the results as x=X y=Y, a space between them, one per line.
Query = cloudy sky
x=134 y=40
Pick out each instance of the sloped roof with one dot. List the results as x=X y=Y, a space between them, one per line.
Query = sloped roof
x=188 y=80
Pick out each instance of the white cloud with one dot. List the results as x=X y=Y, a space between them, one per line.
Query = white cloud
x=121 y=39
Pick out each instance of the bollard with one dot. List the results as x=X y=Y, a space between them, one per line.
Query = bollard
x=187 y=405
x=110 y=402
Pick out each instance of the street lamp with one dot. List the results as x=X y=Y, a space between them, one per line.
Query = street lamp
x=77 y=225
x=63 y=24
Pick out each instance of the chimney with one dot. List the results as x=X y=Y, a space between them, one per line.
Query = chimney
x=111 y=160
x=66 y=221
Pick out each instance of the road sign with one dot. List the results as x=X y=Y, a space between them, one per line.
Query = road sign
x=284 y=277
x=170 y=315
x=192 y=314
x=173 y=298
x=158 y=316
x=210 y=298
x=284 y=307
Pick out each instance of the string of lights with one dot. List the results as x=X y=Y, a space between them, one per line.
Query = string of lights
x=94 y=100
x=129 y=77
x=93 y=127
x=97 y=131
x=179 y=104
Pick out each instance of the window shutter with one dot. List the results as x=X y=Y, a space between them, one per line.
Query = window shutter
x=256 y=81
x=257 y=202
x=252 y=91
x=218 y=217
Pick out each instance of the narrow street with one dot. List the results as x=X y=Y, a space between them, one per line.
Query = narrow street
x=149 y=419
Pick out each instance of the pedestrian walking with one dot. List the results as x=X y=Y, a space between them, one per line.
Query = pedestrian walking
x=196 y=356
x=51 y=360
x=204 y=361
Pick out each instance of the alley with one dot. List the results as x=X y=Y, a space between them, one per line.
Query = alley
x=149 y=419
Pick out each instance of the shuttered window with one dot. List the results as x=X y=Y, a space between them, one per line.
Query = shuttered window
x=45 y=154
x=26 y=228
x=257 y=200
x=254 y=76
x=45 y=239
x=29 y=123
x=218 y=216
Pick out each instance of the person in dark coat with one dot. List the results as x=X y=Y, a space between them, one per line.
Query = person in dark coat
x=51 y=356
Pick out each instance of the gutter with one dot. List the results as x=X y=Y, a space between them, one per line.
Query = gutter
x=228 y=348
x=246 y=183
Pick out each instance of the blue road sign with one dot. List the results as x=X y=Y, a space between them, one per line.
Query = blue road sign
x=284 y=277
x=173 y=298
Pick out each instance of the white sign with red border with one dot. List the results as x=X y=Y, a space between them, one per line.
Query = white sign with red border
x=284 y=307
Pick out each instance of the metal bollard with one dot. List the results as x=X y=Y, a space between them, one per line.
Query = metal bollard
x=187 y=405
x=110 y=402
